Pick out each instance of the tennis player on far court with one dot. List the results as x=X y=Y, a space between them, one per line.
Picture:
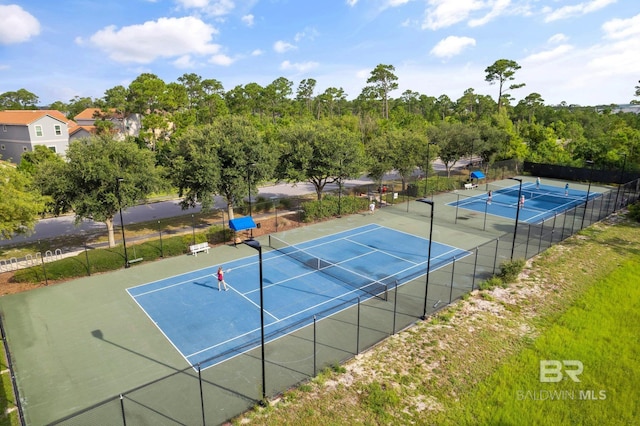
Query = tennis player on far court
x=221 y=280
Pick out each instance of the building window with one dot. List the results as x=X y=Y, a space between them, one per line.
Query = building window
x=24 y=149
x=4 y=127
x=38 y=130
x=52 y=148
x=2 y=147
x=58 y=129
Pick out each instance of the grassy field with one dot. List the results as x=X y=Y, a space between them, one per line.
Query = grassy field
x=478 y=361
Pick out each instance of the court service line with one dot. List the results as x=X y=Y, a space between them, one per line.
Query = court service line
x=375 y=249
x=277 y=322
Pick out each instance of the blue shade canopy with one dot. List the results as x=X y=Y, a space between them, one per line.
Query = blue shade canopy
x=242 y=223
x=477 y=175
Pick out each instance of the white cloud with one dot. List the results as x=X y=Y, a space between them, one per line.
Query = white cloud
x=575 y=10
x=17 y=25
x=451 y=46
x=248 y=20
x=548 y=55
x=164 y=38
x=307 y=33
x=444 y=13
x=622 y=28
x=184 y=62
x=352 y=2
x=222 y=60
x=396 y=3
x=300 y=66
x=211 y=7
x=497 y=8
x=282 y=46
x=257 y=52
x=557 y=38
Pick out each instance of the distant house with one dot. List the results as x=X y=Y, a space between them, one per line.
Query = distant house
x=22 y=130
x=122 y=126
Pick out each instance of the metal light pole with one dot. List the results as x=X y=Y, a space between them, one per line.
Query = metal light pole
x=340 y=191
x=254 y=244
x=249 y=166
x=426 y=172
x=584 y=213
x=624 y=163
x=124 y=241
x=515 y=228
x=426 y=288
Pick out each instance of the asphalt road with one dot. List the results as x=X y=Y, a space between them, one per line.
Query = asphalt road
x=65 y=225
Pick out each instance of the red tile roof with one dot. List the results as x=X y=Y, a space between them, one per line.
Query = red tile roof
x=28 y=116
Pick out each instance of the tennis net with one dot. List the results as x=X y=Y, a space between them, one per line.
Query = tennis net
x=536 y=194
x=350 y=278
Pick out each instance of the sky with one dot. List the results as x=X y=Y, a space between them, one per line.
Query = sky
x=584 y=52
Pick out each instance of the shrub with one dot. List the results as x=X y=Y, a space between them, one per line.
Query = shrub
x=509 y=271
x=330 y=206
x=634 y=211
x=490 y=284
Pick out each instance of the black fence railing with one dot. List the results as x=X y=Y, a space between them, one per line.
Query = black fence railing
x=214 y=395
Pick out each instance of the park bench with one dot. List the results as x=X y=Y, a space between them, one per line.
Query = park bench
x=470 y=186
x=196 y=248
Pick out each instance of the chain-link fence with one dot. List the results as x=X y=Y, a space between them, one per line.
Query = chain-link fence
x=214 y=395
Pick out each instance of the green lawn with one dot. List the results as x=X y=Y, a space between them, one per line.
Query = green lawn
x=601 y=331
x=478 y=361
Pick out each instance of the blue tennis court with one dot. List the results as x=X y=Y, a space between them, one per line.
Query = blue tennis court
x=541 y=202
x=298 y=282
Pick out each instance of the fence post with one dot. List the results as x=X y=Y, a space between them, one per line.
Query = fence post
x=124 y=417
x=457 y=204
x=541 y=235
x=475 y=265
x=44 y=268
x=564 y=224
x=453 y=269
x=204 y=423
x=314 y=346
x=395 y=307
x=526 y=247
x=495 y=257
x=486 y=205
x=358 y=330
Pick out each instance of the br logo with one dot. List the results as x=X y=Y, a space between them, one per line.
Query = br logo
x=551 y=370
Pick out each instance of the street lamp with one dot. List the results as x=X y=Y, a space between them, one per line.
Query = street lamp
x=124 y=241
x=624 y=163
x=249 y=166
x=426 y=172
x=254 y=244
x=426 y=288
x=515 y=228
x=584 y=213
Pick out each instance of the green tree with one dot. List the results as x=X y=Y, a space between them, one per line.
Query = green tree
x=79 y=104
x=384 y=82
x=304 y=94
x=318 y=152
x=637 y=95
x=219 y=158
x=19 y=99
x=276 y=97
x=87 y=183
x=21 y=203
x=407 y=154
x=454 y=141
x=502 y=71
x=31 y=160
